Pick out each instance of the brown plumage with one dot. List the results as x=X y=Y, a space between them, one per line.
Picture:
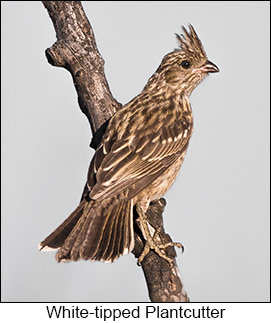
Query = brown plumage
x=137 y=161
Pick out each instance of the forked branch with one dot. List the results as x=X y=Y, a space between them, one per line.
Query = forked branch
x=75 y=50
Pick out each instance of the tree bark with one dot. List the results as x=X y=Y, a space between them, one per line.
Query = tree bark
x=76 y=51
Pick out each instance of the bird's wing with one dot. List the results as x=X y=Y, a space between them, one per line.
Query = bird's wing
x=133 y=162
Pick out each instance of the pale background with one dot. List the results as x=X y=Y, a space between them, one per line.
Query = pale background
x=219 y=205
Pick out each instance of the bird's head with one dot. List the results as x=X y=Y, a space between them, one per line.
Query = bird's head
x=187 y=66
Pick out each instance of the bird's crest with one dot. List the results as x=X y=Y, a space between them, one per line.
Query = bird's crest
x=190 y=43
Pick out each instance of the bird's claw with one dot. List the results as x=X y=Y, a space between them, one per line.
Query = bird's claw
x=151 y=245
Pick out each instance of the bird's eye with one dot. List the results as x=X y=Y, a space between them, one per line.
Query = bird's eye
x=185 y=64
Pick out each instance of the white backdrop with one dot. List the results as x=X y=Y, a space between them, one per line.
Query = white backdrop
x=218 y=207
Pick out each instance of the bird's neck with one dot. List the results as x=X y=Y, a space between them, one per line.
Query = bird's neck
x=157 y=84
x=157 y=88
x=185 y=103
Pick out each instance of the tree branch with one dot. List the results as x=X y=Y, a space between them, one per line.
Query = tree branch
x=76 y=51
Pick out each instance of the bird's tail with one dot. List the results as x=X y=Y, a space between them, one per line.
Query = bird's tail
x=96 y=230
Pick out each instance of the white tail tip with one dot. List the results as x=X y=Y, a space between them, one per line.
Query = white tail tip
x=46 y=248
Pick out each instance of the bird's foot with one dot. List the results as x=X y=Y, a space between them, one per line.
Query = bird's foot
x=153 y=240
x=153 y=244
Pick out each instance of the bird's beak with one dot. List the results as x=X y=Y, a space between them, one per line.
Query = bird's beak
x=209 y=67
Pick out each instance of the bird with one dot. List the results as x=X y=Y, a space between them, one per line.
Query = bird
x=136 y=162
